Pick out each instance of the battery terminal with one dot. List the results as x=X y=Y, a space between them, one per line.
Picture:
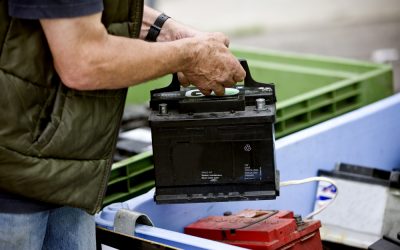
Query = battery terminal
x=163 y=109
x=260 y=104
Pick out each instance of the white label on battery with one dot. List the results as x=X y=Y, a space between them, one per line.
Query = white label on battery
x=251 y=173
x=210 y=176
x=196 y=93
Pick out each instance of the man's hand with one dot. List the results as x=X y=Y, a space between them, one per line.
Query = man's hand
x=174 y=30
x=211 y=67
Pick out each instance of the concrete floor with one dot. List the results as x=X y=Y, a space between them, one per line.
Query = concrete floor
x=342 y=28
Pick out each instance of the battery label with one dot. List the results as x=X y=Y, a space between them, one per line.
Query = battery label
x=210 y=176
x=197 y=93
x=251 y=173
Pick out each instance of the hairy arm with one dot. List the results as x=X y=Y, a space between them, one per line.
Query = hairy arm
x=86 y=57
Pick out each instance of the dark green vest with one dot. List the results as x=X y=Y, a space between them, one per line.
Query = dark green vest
x=56 y=144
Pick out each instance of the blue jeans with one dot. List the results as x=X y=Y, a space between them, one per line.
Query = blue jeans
x=59 y=228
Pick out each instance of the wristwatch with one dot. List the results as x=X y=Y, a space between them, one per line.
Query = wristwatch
x=156 y=28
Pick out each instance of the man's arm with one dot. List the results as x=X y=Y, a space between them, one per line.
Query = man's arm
x=87 y=57
x=171 y=30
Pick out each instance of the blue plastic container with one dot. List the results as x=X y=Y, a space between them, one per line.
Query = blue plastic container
x=106 y=217
x=369 y=136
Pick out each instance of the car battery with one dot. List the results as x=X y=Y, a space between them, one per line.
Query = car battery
x=260 y=229
x=211 y=148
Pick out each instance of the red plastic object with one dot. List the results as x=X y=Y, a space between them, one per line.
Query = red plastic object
x=260 y=229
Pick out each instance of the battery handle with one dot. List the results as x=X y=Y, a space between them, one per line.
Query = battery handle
x=175 y=85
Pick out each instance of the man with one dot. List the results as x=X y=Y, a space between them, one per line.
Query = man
x=64 y=69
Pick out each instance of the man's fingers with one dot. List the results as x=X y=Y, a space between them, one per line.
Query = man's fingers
x=183 y=80
x=239 y=74
x=215 y=68
x=229 y=83
x=219 y=90
x=205 y=91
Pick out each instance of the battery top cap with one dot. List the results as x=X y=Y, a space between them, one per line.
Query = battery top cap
x=196 y=93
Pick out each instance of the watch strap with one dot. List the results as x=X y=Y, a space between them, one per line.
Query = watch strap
x=155 y=28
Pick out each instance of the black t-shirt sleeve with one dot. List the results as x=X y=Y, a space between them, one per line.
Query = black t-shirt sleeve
x=43 y=9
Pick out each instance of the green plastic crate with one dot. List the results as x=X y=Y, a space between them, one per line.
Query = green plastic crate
x=129 y=178
x=310 y=89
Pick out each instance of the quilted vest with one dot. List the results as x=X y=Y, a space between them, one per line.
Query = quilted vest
x=56 y=144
